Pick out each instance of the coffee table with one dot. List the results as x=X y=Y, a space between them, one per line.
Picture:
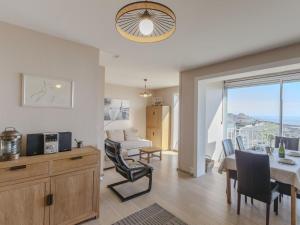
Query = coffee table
x=149 y=151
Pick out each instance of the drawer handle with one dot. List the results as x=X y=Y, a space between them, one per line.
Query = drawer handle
x=18 y=167
x=76 y=158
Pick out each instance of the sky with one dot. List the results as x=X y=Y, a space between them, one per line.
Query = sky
x=264 y=100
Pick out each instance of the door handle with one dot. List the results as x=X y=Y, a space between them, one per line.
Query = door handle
x=17 y=167
x=49 y=199
x=76 y=158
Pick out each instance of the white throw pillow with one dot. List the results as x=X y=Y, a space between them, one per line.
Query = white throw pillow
x=116 y=135
x=131 y=135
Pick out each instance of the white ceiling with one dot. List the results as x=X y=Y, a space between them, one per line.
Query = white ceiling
x=208 y=31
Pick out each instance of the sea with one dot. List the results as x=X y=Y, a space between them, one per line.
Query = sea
x=289 y=120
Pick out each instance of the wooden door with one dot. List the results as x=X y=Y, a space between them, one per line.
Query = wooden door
x=73 y=197
x=25 y=204
x=154 y=135
x=157 y=117
x=149 y=134
x=149 y=116
x=154 y=116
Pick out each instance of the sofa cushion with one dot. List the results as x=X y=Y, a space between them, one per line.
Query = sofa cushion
x=131 y=135
x=116 y=135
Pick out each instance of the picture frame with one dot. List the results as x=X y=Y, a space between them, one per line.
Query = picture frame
x=39 y=91
x=116 y=109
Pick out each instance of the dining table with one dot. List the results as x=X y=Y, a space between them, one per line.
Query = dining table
x=285 y=173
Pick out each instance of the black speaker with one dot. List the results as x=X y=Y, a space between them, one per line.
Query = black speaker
x=35 y=144
x=65 y=141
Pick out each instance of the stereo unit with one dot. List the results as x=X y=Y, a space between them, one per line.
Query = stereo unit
x=50 y=143
x=65 y=141
x=35 y=144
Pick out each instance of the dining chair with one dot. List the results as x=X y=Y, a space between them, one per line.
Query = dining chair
x=239 y=141
x=285 y=189
x=254 y=180
x=229 y=150
x=228 y=147
x=290 y=143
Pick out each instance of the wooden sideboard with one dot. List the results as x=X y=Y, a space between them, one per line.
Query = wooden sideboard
x=56 y=189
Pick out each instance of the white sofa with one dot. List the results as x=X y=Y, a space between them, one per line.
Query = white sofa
x=129 y=140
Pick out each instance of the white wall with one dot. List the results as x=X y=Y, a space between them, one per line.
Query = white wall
x=137 y=116
x=210 y=128
x=214 y=119
x=26 y=51
x=189 y=91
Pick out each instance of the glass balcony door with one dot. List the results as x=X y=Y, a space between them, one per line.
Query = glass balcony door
x=253 y=112
x=260 y=112
x=291 y=109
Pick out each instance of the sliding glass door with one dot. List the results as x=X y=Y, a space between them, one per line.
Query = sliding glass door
x=254 y=113
x=291 y=109
x=259 y=111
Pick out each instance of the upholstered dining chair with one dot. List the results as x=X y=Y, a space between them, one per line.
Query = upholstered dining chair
x=229 y=150
x=130 y=171
x=228 y=147
x=285 y=189
x=290 y=143
x=240 y=143
x=254 y=180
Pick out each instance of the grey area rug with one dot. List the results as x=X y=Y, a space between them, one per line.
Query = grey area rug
x=152 y=215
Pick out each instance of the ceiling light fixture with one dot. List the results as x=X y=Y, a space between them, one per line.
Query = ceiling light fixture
x=146 y=22
x=146 y=93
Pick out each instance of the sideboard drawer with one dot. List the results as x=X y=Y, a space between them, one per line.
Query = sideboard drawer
x=74 y=163
x=22 y=171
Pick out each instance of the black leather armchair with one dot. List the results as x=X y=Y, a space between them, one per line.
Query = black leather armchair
x=131 y=172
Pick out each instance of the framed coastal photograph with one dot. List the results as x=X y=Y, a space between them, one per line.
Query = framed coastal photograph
x=116 y=109
x=40 y=91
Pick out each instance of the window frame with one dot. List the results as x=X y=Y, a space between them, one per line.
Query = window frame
x=280 y=79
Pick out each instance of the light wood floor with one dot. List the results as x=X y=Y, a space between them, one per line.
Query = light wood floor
x=200 y=201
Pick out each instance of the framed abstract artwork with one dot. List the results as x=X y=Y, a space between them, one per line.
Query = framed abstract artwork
x=40 y=91
x=116 y=109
